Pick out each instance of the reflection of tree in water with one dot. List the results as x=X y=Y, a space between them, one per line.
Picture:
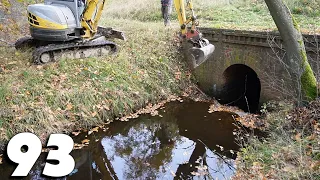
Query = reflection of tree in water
x=156 y=148
x=146 y=147
x=205 y=163
x=36 y=172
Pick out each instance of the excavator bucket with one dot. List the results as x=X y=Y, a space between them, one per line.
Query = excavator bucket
x=200 y=55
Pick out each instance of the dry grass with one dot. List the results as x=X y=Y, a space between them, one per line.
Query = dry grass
x=75 y=94
x=233 y=14
x=291 y=150
x=72 y=94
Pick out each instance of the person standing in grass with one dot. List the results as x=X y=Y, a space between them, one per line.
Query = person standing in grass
x=166 y=9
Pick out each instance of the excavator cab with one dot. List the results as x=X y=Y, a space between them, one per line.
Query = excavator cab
x=69 y=28
x=55 y=20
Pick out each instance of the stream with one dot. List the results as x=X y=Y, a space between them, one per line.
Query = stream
x=184 y=141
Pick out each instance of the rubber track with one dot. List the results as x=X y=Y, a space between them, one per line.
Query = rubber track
x=67 y=46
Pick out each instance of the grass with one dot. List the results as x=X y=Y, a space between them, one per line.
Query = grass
x=72 y=94
x=291 y=150
x=233 y=14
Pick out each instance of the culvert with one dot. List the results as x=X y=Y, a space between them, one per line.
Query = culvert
x=241 y=88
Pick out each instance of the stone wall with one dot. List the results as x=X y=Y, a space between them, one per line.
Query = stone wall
x=261 y=51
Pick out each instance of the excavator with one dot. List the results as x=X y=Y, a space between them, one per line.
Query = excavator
x=69 y=29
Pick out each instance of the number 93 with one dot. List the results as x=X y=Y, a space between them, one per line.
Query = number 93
x=26 y=160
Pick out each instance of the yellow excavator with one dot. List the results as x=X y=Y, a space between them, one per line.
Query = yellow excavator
x=69 y=29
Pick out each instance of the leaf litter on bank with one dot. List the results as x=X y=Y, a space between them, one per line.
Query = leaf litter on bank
x=85 y=142
x=246 y=119
x=96 y=129
x=150 y=109
x=292 y=148
x=76 y=133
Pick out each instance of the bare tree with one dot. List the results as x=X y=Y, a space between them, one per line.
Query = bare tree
x=296 y=57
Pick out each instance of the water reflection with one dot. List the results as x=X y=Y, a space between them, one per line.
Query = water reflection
x=185 y=142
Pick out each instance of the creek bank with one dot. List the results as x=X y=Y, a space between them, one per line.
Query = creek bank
x=292 y=148
x=166 y=139
x=73 y=94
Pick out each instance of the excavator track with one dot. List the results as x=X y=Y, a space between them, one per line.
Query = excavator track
x=73 y=50
x=46 y=52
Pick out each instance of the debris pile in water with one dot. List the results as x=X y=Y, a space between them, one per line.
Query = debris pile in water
x=246 y=119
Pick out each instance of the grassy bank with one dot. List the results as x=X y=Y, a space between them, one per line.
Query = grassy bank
x=292 y=148
x=234 y=14
x=73 y=94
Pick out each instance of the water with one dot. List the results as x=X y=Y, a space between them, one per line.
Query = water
x=183 y=142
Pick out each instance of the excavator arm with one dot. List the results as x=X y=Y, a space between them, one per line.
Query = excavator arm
x=201 y=48
x=183 y=21
x=69 y=28
x=91 y=17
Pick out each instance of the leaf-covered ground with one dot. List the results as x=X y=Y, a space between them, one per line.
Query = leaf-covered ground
x=292 y=148
x=69 y=94
x=75 y=94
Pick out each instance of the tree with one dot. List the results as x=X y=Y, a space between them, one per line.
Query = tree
x=296 y=57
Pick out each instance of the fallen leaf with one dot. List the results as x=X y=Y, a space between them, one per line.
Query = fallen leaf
x=315 y=165
x=298 y=137
x=69 y=106
x=312 y=137
x=78 y=146
x=96 y=129
x=44 y=150
x=173 y=174
x=195 y=173
x=76 y=133
x=1 y=158
x=288 y=168
x=85 y=141
x=94 y=114
x=177 y=75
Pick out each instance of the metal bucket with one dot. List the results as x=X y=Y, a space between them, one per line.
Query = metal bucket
x=200 y=55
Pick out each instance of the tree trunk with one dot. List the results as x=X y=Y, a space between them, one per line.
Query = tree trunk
x=304 y=81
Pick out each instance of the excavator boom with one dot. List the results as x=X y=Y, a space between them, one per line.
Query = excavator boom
x=201 y=48
x=69 y=28
x=91 y=17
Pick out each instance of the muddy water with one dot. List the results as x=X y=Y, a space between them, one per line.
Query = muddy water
x=184 y=141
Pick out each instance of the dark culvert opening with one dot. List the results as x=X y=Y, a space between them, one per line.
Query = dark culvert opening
x=241 y=88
